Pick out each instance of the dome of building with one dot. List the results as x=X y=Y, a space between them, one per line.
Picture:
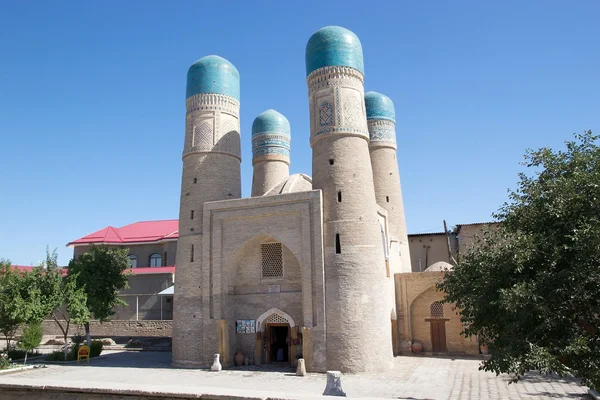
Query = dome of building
x=439 y=266
x=271 y=135
x=379 y=106
x=271 y=121
x=333 y=46
x=213 y=74
x=291 y=184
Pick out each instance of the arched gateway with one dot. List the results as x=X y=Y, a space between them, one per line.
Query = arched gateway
x=279 y=337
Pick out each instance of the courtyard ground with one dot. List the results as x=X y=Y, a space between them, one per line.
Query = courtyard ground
x=416 y=378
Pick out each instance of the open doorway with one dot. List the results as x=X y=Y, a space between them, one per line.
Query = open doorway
x=278 y=342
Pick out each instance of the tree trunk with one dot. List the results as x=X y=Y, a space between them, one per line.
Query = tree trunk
x=66 y=346
x=25 y=362
x=87 y=334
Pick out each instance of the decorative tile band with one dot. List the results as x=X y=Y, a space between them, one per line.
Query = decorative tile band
x=262 y=151
x=382 y=133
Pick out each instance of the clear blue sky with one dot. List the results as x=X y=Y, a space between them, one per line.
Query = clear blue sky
x=92 y=100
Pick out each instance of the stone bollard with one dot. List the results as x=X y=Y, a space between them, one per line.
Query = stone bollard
x=334 y=384
x=216 y=364
x=301 y=369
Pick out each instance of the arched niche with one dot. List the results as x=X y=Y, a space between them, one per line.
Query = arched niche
x=245 y=266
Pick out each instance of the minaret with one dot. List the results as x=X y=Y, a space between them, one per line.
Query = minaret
x=211 y=171
x=357 y=318
x=381 y=118
x=270 y=151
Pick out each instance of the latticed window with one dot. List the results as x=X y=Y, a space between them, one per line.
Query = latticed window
x=437 y=310
x=272 y=260
x=276 y=319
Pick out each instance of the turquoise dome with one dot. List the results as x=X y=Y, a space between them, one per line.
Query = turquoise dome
x=213 y=74
x=333 y=46
x=379 y=106
x=271 y=122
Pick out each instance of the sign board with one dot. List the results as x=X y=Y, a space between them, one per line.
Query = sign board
x=245 y=326
x=274 y=289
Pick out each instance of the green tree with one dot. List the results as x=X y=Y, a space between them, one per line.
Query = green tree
x=13 y=307
x=56 y=296
x=102 y=272
x=31 y=338
x=530 y=288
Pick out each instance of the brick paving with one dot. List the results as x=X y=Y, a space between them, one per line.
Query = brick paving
x=417 y=378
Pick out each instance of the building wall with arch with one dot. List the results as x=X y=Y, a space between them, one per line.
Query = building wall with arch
x=232 y=285
x=415 y=293
x=248 y=293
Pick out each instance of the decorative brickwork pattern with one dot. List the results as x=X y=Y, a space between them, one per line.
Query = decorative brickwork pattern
x=326 y=114
x=213 y=102
x=212 y=125
x=345 y=86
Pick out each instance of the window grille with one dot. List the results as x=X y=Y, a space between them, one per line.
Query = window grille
x=437 y=310
x=276 y=319
x=272 y=260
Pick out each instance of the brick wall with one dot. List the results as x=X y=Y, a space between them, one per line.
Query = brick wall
x=115 y=328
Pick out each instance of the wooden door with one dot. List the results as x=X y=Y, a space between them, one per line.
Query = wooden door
x=438 y=336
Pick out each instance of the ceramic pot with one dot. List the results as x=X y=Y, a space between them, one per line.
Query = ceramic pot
x=483 y=348
x=239 y=358
x=417 y=347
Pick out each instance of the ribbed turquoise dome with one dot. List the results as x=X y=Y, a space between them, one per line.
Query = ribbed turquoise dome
x=271 y=122
x=213 y=74
x=379 y=106
x=333 y=46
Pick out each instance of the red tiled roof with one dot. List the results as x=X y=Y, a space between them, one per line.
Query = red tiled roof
x=134 y=271
x=24 y=268
x=138 y=232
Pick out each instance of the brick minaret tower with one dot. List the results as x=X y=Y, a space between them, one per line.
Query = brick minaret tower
x=211 y=171
x=381 y=118
x=357 y=315
x=270 y=151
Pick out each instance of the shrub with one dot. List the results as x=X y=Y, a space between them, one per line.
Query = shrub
x=60 y=356
x=4 y=361
x=20 y=354
x=77 y=339
x=95 y=351
x=96 y=348
x=32 y=337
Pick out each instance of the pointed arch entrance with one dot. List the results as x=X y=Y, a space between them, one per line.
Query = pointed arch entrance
x=278 y=332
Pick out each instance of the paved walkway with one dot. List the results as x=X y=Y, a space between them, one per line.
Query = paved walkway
x=412 y=378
